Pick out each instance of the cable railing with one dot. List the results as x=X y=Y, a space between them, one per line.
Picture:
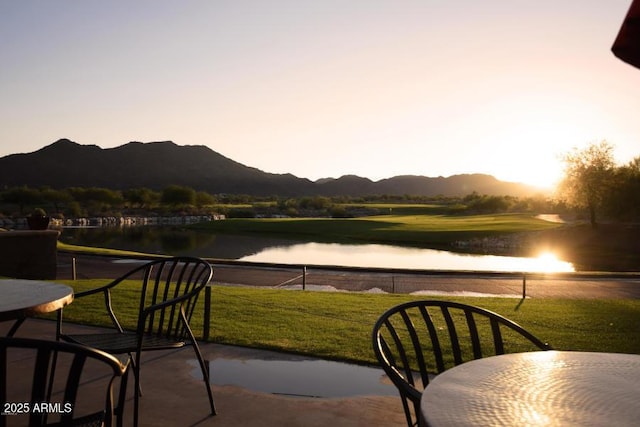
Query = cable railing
x=308 y=277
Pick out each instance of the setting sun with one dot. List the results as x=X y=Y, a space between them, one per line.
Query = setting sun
x=539 y=171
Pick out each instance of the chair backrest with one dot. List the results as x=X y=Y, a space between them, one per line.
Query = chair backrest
x=416 y=340
x=169 y=286
x=51 y=383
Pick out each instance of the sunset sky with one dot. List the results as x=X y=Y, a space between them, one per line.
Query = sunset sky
x=375 y=88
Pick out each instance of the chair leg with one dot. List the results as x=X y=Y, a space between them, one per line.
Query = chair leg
x=122 y=396
x=203 y=366
x=136 y=372
x=137 y=393
x=52 y=374
x=205 y=375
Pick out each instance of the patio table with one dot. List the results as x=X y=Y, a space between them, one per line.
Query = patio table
x=20 y=299
x=550 y=388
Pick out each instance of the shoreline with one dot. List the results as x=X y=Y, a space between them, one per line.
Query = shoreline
x=607 y=248
x=420 y=284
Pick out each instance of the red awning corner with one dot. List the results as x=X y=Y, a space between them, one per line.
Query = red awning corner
x=627 y=44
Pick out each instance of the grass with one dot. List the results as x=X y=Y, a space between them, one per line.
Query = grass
x=419 y=230
x=338 y=325
x=66 y=247
x=403 y=208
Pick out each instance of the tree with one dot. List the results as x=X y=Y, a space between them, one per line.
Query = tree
x=22 y=196
x=587 y=177
x=56 y=197
x=140 y=197
x=97 y=200
x=176 y=195
x=623 y=201
x=204 y=199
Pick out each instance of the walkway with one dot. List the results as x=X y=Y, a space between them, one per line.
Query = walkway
x=174 y=396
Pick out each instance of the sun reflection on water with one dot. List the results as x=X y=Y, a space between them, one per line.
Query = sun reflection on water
x=545 y=262
x=374 y=255
x=548 y=262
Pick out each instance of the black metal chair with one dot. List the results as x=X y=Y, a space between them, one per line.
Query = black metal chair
x=167 y=290
x=417 y=340
x=50 y=383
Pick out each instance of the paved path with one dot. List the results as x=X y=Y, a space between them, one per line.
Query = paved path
x=175 y=396
x=423 y=284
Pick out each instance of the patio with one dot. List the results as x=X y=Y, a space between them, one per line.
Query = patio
x=180 y=400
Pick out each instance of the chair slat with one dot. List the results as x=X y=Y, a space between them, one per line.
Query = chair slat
x=417 y=349
x=453 y=335
x=497 y=336
x=435 y=341
x=473 y=334
x=73 y=382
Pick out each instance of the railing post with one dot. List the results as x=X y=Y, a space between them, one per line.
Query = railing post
x=74 y=273
x=304 y=277
x=524 y=285
x=207 y=313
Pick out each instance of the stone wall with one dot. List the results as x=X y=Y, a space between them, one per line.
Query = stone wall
x=29 y=254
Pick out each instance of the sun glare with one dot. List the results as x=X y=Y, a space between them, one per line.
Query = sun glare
x=540 y=169
x=545 y=177
x=549 y=262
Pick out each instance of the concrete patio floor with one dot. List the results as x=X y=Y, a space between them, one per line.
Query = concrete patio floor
x=174 y=396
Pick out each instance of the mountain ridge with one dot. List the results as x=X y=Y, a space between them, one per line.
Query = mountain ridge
x=156 y=165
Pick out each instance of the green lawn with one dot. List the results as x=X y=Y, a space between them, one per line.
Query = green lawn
x=61 y=246
x=338 y=325
x=420 y=230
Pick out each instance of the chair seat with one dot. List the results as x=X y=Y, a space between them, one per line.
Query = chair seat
x=117 y=343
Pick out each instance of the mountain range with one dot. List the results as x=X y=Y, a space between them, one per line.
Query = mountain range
x=156 y=165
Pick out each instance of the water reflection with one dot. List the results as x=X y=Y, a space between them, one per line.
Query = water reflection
x=308 y=378
x=386 y=256
x=171 y=240
x=179 y=241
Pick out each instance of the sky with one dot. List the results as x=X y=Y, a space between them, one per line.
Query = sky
x=375 y=88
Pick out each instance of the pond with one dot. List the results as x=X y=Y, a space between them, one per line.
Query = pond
x=179 y=241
